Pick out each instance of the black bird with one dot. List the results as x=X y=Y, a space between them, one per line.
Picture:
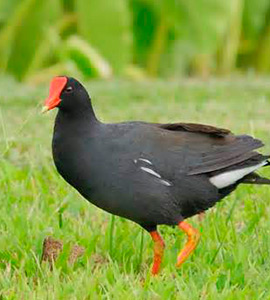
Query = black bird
x=149 y=173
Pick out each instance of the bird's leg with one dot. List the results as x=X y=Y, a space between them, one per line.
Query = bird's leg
x=191 y=244
x=159 y=246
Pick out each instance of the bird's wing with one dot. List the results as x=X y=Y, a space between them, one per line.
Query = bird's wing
x=209 y=149
x=219 y=157
x=193 y=127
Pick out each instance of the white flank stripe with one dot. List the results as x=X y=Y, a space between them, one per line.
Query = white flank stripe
x=165 y=182
x=228 y=178
x=146 y=160
x=150 y=171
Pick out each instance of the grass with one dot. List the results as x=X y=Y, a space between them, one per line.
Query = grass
x=232 y=260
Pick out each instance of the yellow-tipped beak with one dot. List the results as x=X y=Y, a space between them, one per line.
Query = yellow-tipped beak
x=44 y=109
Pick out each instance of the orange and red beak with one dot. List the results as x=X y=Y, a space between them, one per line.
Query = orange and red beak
x=56 y=88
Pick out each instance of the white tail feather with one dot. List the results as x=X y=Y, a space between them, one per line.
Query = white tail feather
x=228 y=178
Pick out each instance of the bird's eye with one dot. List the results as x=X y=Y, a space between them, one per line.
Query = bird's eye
x=69 y=89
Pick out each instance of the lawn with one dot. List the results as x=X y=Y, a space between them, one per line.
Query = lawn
x=232 y=260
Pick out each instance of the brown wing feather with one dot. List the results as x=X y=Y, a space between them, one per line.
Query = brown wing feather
x=193 y=127
x=228 y=154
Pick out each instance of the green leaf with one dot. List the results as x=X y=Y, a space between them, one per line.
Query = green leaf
x=23 y=32
x=6 y=8
x=165 y=28
x=144 y=26
x=254 y=17
x=106 y=26
x=87 y=59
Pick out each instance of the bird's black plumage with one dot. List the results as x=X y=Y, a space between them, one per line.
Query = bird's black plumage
x=149 y=173
x=109 y=163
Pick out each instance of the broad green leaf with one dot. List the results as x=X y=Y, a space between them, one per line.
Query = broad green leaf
x=263 y=45
x=254 y=17
x=229 y=49
x=169 y=33
x=6 y=8
x=106 y=26
x=86 y=58
x=202 y=22
x=49 y=49
x=144 y=26
x=23 y=32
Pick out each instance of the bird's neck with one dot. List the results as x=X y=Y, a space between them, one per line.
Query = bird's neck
x=76 y=121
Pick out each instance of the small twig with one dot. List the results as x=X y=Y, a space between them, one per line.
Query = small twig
x=29 y=116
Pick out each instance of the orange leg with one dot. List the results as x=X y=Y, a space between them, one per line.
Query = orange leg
x=159 y=246
x=191 y=244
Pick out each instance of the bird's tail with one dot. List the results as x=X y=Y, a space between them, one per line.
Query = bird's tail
x=254 y=178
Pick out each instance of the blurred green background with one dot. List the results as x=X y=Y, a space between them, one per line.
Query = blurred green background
x=133 y=38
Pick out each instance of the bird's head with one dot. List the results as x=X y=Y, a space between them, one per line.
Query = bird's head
x=67 y=94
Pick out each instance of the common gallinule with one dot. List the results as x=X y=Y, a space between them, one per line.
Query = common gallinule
x=149 y=173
